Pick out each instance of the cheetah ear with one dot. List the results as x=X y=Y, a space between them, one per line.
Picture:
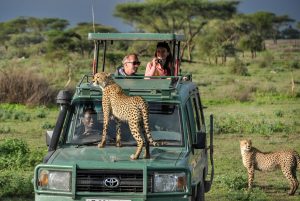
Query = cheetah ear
x=108 y=77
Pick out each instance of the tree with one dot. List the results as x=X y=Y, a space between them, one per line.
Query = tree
x=278 y=23
x=63 y=40
x=83 y=29
x=298 y=25
x=268 y=25
x=175 y=16
x=249 y=38
x=4 y=36
x=252 y=42
x=54 y=24
x=290 y=33
x=219 y=39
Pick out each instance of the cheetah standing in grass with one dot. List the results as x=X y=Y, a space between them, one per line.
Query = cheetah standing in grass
x=253 y=159
x=132 y=109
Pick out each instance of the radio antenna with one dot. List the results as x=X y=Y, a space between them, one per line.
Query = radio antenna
x=95 y=44
x=93 y=15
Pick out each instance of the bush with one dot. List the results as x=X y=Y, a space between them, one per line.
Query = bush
x=16 y=165
x=236 y=183
x=13 y=113
x=239 y=68
x=266 y=60
x=16 y=183
x=5 y=129
x=230 y=123
x=41 y=114
x=13 y=154
x=18 y=86
x=294 y=64
x=47 y=125
x=278 y=113
x=237 y=186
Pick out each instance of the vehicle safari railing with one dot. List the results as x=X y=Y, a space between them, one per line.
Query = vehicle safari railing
x=104 y=38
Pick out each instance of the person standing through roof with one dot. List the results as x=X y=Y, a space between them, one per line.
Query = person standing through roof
x=161 y=64
x=130 y=65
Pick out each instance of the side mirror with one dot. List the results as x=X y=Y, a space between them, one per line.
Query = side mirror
x=48 y=137
x=200 y=140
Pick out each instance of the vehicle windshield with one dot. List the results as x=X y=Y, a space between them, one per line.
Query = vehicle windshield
x=87 y=124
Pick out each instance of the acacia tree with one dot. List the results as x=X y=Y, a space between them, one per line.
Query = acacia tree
x=83 y=29
x=267 y=25
x=219 y=39
x=278 y=23
x=174 y=16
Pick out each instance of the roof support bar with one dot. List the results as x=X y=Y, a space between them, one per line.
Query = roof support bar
x=104 y=53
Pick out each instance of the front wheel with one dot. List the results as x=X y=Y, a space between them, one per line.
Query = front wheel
x=198 y=193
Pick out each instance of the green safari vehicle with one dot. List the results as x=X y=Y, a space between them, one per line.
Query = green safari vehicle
x=180 y=169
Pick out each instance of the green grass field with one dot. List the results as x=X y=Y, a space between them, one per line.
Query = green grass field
x=263 y=106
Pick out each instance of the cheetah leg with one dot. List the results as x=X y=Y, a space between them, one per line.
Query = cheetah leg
x=250 y=178
x=106 y=114
x=147 y=151
x=134 y=128
x=118 y=134
x=146 y=141
x=104 y=133
x=290 y=175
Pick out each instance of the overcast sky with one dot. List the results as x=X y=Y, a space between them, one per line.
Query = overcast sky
x=81 y=10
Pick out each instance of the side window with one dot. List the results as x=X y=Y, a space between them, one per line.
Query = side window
x=195 y=106
x=198 y=113
x=195 y=116
x=191 y=118
x=188 y=126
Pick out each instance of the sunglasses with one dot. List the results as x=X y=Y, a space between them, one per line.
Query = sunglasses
x=134 y=62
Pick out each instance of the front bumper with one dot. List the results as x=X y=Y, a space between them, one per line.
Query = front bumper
x=46 y=197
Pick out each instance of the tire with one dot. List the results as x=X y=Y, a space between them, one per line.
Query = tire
x=198 y=193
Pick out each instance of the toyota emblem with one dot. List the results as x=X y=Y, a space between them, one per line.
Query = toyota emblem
x=112 y=182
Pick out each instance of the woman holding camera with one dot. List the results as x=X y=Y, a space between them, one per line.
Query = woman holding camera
x=161 y=64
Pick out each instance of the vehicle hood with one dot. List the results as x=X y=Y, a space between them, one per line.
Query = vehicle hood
x=112 y=157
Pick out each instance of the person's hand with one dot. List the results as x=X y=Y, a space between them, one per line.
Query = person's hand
x=156 y=63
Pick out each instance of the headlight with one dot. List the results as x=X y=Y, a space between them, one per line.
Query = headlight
x=54 y=180
x=170 y=182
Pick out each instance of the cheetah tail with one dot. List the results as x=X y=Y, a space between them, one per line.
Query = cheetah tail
x=145 y=114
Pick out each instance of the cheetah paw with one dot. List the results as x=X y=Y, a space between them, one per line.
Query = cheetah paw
x=132 y=157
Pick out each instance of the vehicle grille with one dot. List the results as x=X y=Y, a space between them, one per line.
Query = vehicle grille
x=93 y=181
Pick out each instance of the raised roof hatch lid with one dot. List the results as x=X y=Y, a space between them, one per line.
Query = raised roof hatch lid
x=165 y=87
x=137 y=36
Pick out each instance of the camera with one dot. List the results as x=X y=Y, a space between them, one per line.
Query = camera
x=160 y=61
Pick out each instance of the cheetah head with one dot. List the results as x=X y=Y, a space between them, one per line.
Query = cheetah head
x=101 y=79
x=246 y=145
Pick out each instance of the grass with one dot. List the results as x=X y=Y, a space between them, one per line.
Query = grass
x=260 y=106
x=230 y=179
x=27 y=123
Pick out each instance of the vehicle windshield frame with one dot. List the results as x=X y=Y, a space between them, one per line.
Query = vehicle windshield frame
x=167 y=132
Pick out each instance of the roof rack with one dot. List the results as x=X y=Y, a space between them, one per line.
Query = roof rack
x=157 y=87
x=136 y=36
x=104 y=38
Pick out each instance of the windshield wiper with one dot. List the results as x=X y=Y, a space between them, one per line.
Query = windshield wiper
x=166 y=141
x=87 y=143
